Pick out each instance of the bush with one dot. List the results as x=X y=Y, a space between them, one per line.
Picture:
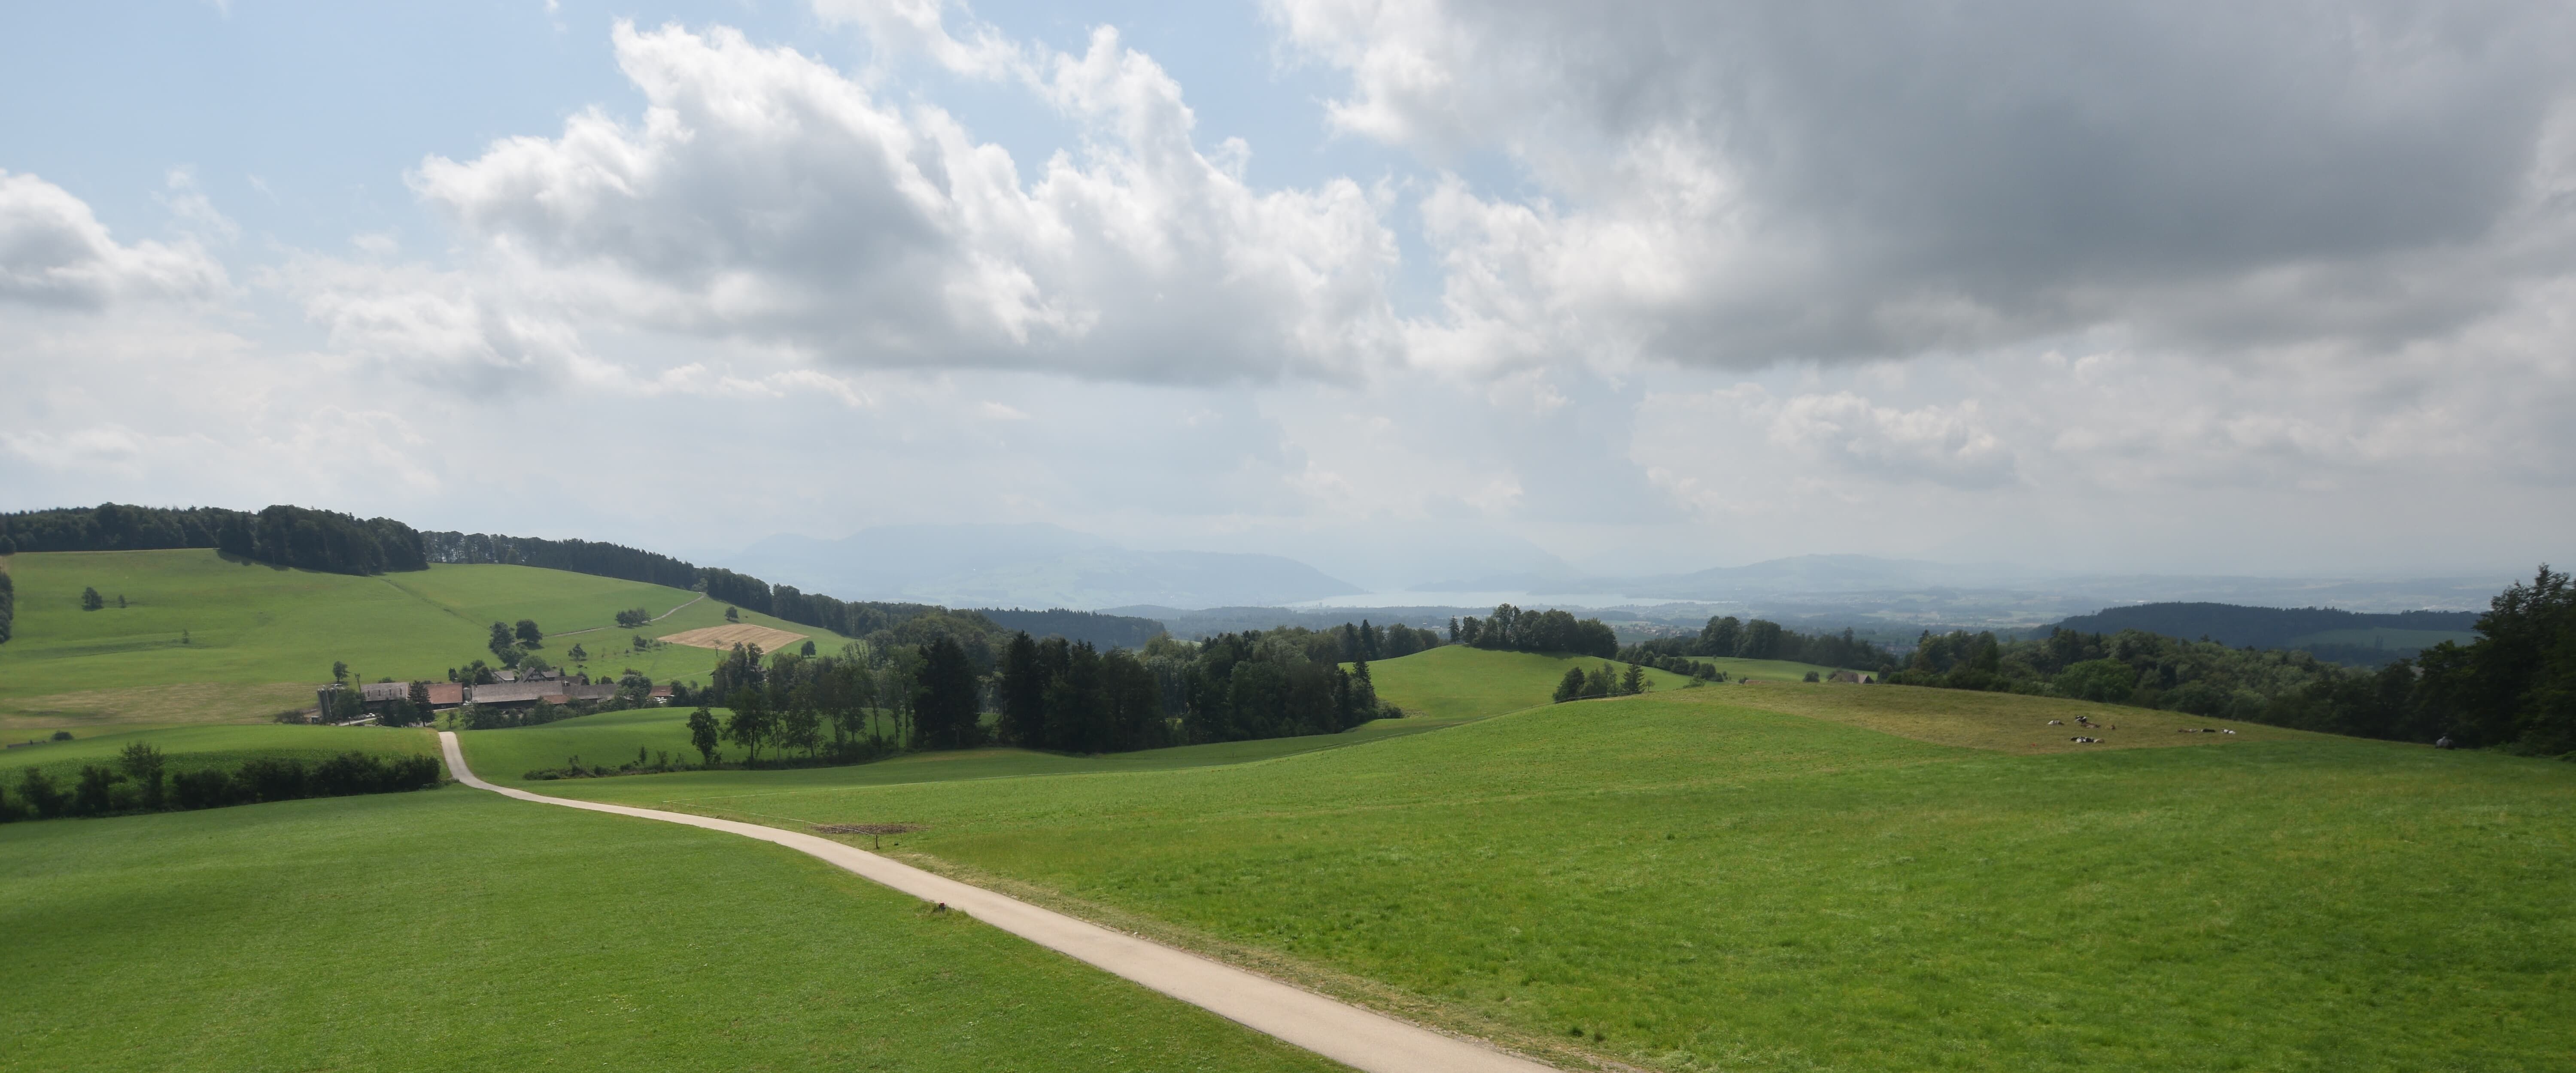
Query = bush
x=42 y=797
x=268 y=778
x=209 y=788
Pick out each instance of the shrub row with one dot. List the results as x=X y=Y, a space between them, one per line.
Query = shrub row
x=106 y=791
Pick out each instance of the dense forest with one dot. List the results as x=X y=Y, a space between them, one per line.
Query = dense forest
x=1726 y=637
x=1104 y=631
x=8 y=605
x=2514 y=687
x=2275 y=627
x=280 y=535
x=1068 y=696
x=1511 y=629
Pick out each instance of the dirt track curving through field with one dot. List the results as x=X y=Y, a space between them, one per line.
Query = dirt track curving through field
x=1362 y=1039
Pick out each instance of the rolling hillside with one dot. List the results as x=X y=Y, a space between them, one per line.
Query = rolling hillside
x=206 y=639
x=1454 y=681
x=1789 y=877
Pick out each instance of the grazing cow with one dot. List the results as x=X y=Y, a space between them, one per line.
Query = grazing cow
x=2227 y=732
x=2057 y=722
x=2443 y=742
x=2085 y=740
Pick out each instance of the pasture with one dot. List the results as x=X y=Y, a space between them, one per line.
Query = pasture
x=612 y=738
x=1455 y=682
x=205 y=639
x=457 y=930
x=190 y=747
x=1686 y=880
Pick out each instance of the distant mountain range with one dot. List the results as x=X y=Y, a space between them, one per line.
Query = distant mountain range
x=1035 y=566
x=1041 y=566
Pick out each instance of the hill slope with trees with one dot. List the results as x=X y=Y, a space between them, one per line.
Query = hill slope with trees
x=2513 y=686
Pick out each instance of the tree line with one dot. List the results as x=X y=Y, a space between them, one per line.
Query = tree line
x=141 y=780
x=2274 y=627
x=281 y=535
x=1278 y=683
x=2514 y=687
x=1726 y=637
x=8 y=605
x=934 y=689
x=1511 y=629
x=572 y=556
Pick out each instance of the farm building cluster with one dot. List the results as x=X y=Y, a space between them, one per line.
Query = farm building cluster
x=512 y=691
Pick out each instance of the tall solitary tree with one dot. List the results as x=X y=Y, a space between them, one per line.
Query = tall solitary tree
x=750 y=725
x=704 y=735
x=528 y=634
x=91 y=600
x=144 y=764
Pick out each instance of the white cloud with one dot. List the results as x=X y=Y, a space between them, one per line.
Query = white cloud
x=1733 y=185
x=769 y=198
x=55 y=253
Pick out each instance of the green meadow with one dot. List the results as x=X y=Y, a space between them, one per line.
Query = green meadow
x=1455 y=682
x=1704 y=879
x=612 y=738
x=191 y=747
x=205 y=639
x=1776 y=876
x=458 y=930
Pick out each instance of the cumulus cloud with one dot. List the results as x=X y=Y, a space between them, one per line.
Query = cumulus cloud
x=1738 y=184
x=54 y=253
x=767 y=197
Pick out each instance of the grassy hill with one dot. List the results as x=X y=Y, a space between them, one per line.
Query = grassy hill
x=205 y=639
x=1807 y=877
x=1454 y=681
x=609 y=738
x=457 y=930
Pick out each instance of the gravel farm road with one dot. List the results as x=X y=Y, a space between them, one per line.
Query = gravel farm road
x=1359 y=1038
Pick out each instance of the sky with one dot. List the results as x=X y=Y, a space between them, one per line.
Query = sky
x=1403 y=288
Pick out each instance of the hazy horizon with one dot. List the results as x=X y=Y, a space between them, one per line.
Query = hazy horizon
x=1380 y=287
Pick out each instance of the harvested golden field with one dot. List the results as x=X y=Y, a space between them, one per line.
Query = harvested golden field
x=743 y=633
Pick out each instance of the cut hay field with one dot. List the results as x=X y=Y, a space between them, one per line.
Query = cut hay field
x=1894 y=880
x=457 y=930
x=724 y=638
x=212 y=745
x=204 y=639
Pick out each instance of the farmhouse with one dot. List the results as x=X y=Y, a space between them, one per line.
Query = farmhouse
x=551 y=691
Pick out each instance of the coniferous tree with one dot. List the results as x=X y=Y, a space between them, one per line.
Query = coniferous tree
x=90 y=599
x=1023 y=689
x=944 y=698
